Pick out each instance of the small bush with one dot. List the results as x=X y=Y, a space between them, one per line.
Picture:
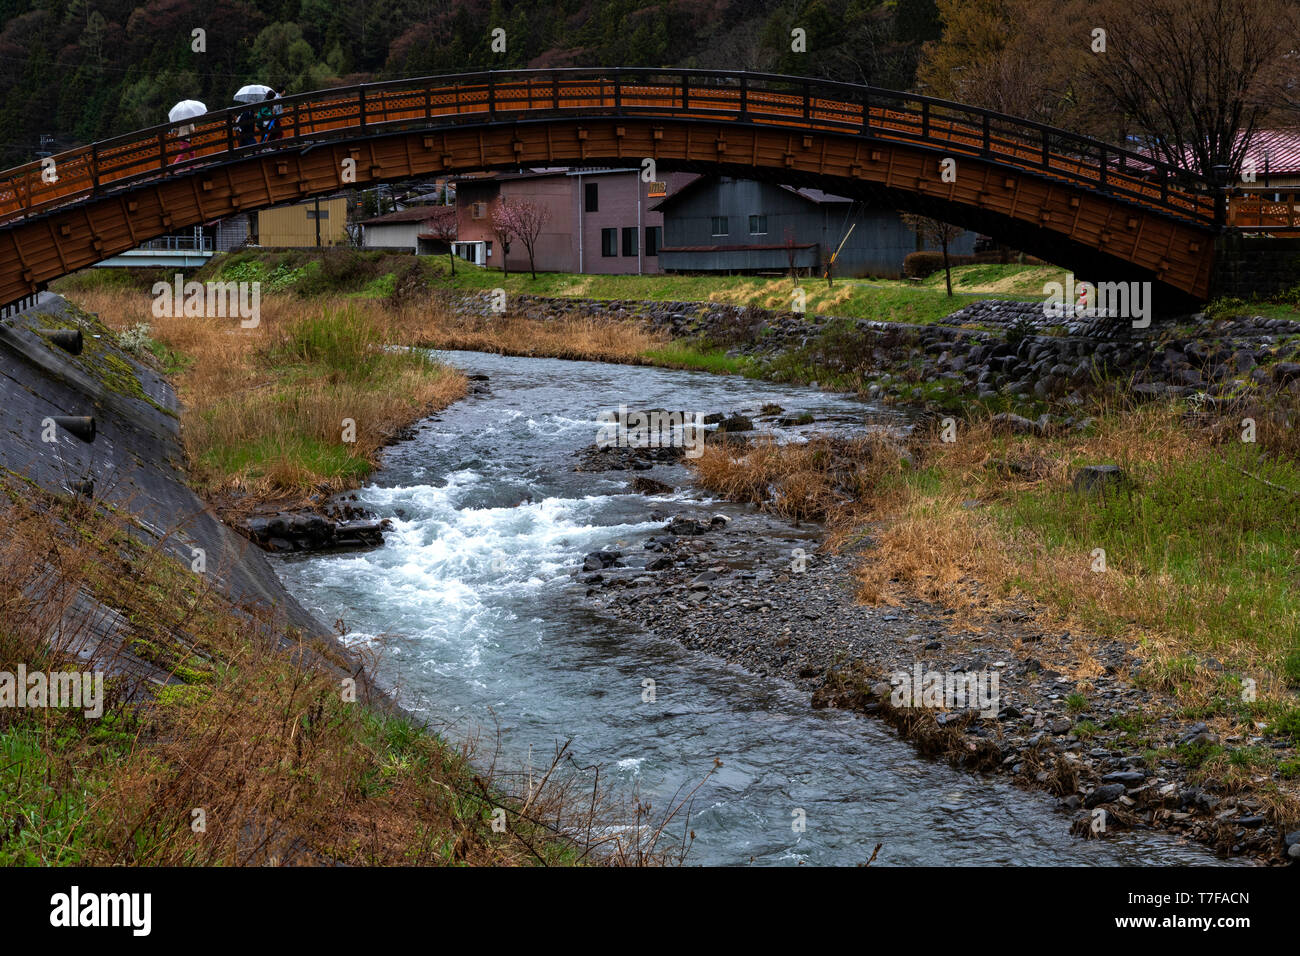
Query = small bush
x=920 y=265
x=136 y=339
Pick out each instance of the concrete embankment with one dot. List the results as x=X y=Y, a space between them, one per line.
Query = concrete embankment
x=100 y=424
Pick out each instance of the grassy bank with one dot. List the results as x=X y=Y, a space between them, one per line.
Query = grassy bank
x=1200 y=544
x=250 y=754
x=374 y=275
x=302 y=403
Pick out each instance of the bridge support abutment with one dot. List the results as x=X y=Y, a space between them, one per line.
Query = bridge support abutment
x=1246 y=266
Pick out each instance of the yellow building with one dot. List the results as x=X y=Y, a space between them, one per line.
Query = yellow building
x=295 y=226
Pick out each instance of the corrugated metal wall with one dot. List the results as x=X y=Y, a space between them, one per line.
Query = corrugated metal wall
x=294 y=225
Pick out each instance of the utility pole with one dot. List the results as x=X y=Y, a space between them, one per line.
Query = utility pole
x=318 y=222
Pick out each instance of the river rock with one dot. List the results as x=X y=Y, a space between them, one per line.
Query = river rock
x=649 y=486
x=599 y=560
x=682 y=525
x=736 y=423
x=1006 y=422
x=1098 y=478
x=1107 y=793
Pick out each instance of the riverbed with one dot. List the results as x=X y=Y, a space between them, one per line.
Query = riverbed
x=481 y=627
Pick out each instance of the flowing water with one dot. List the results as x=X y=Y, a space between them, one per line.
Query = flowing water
x=482 y=627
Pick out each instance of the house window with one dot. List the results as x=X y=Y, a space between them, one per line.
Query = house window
x=478 y=210
x=487 y=250
x=629 y=240
x=593 y=198
x=609 y=242
x=720 y=226
x=758 y=225
x=323 y=214
x=653 y=237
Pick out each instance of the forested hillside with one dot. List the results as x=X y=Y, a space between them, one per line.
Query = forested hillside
x=86 y=69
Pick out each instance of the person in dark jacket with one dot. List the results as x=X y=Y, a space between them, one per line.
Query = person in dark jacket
x=246 y=127
x=267 y=126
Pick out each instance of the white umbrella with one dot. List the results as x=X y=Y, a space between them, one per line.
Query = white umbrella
x=186 y=109
x=253 y=93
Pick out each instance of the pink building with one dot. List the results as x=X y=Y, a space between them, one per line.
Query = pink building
x=600 y=219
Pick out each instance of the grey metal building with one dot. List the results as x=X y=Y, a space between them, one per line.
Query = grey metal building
x=720 y=224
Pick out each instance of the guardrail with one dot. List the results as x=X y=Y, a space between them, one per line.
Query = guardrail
x=1265 y=210
x=749 y=98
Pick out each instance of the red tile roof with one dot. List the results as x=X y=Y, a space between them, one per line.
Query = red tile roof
x=1282 y=147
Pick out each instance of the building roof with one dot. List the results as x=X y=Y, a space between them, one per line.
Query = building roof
x=816 y=195
x=1282 y=148
x=410 y=214
x=812 y=195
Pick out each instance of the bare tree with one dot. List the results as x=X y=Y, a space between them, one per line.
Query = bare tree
x=522 y=219
x=1196 y=77
x=935 y=232
x=442 y=226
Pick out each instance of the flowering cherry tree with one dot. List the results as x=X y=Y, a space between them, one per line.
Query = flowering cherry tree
x=520 y=219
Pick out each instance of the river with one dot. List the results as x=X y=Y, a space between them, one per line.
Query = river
x=480 y=625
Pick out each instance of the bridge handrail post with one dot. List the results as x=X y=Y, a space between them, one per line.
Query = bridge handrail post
x=492 y=97
x=618 y=92
x=27 y=193
x=297 y=128
x=428 y=103
x=94 y=169
x=162 y=150
x=686 y=92
x=925 y=119
x=230 y=132
x=555 y=92
x=1101 y=166
x=361 y=107
x=744 y=94
x=1047 y=152
x=988 y=139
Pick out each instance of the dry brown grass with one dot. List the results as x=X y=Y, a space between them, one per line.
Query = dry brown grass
x=260 y=419
x=816 y=480
x=433 y=325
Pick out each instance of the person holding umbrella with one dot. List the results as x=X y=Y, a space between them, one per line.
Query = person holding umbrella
x=268 y=117
x=184 y=110
x=247 y=121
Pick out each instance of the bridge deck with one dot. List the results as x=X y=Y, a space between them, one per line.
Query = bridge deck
x=771 y=101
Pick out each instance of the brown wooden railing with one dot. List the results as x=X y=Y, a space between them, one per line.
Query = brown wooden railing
x=750 y=98
x=1265 y=210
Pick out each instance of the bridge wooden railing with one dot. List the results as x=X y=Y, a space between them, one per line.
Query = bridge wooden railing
x=442 y=101
x=1265 y=210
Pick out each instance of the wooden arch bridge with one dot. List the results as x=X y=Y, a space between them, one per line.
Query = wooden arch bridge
x=1104 y=211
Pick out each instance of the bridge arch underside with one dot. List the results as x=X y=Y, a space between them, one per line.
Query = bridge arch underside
x=1099 y=237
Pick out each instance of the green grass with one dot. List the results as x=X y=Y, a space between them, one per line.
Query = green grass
x=874 y=299
x=48 y=821
x=686 y=355
x=337 y=462
x=1228 y=547
x=343 y=345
